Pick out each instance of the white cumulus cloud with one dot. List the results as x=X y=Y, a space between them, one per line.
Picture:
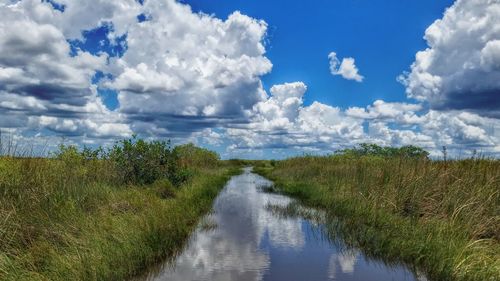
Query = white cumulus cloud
x=284 y=122
x=461 y=67
x=347 y=68
x=43 y=86
x=184 y=65
x=195 y=77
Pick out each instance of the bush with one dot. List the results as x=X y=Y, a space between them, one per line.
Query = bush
x=136 y=161
x=192 y=156
x=69 y=154
x=141 y=162
x=82 y=166
x=367 y=149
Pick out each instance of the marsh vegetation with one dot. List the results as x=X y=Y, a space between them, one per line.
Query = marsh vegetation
x=97 y=214
x=108 y=214
x=257 y=238
x=440 y=217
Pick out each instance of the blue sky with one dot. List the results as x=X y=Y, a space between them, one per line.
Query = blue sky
x=253 y=79
x=383 y=36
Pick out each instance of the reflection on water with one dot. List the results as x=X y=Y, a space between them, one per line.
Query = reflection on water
x=252 y=243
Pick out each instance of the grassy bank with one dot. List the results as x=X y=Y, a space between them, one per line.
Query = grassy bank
x=81 y=216
x=441 y=218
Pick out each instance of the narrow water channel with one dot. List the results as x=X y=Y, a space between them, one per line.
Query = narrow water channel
x=243 y=240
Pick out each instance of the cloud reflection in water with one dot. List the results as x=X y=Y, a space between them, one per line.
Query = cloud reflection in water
x=250 y=243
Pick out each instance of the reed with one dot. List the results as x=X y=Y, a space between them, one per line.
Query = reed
x=441 y=217
x=70 y=217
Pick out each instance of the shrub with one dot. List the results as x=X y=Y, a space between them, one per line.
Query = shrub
x=141 y=162
x=192 y=156
x=367 y=149
x=69 y=154
x=136 y=161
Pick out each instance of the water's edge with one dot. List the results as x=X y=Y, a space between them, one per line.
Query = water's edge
x=252 y=234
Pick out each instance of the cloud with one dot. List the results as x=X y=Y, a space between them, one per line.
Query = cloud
x=284 y=122
x=403 y=113
x=281 y=109
x=36 y=62
x=79 y=15
x=43 y=86
x=192 y=76
x=347 y=68
x=461 y=128
x=181 y=72
x=460 y=70
x=190 y=66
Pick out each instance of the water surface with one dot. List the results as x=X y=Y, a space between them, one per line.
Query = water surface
x=242 y=239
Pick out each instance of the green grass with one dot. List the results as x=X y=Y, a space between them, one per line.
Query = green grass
x=441 y=218
x=66 y=221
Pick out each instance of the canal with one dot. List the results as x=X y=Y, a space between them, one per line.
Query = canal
x=244 y=239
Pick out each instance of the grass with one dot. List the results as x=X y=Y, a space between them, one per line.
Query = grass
x=67 y=220
x=108 y=215
x=441 y=218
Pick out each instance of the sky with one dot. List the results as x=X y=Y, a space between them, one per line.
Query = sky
x=253 y=79
x=301 y=35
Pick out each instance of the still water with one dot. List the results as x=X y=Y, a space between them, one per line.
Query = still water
x=243 y=240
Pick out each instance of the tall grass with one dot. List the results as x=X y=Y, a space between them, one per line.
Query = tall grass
x=74 y=217
x=442 y=217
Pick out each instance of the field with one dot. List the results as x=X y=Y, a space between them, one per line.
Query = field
x=438 y=217
x=102 y=215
